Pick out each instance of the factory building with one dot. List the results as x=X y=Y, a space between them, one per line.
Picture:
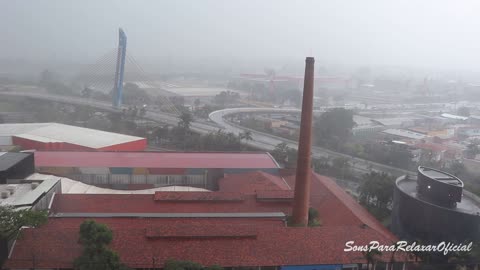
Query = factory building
x=141 y=170
x=242 y=228
x=60 y=137
x=253 y=220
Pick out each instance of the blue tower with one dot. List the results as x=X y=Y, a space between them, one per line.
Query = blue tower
x=119 y=71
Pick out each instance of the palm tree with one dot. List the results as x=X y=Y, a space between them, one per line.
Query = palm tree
x=185 y=120
x=246 y=135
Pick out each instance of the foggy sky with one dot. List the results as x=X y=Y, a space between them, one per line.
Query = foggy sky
x=433 y=33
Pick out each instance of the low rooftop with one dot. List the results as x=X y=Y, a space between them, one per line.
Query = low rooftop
x=54 y=133
x=10 y=159
x=404 y=133
x=156 y=160
x=25 y=192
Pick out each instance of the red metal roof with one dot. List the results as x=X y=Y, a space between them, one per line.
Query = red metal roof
x=336 y=207
x=249 y=183
x=193 y=231
x=198 y=196
x=275 y=194
x=143 y=203
x=55 y=244
x=155 y=160
x=266 y=241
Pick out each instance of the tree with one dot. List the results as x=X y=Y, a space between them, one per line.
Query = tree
x=285 y=155
x=320 y=164
x=334 y=127
x=393 y=155
x=463 y=111
x=376 y=193
x=11 y=220
x=280 y=152
x=226 y=97
x=246 y=135
x=96 y=255
x=186 y=119
x=218 y=141
x=472 y=149
x=342 y=166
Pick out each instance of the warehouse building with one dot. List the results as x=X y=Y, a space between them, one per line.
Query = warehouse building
x=60 y=137
x=141 y=170
x=243 y=225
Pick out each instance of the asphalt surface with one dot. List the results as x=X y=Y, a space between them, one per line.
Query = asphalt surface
x=268 y=142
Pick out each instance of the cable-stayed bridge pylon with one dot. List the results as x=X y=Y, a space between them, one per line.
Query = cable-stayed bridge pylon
x=109 y=74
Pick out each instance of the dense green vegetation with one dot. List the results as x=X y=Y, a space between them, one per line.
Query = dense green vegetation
x=285 y=155
x=376 y=194
x=333 y=128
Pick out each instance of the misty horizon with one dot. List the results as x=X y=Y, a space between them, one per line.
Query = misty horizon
x=430 y=34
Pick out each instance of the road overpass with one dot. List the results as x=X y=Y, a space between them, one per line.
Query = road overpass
x=268 y=141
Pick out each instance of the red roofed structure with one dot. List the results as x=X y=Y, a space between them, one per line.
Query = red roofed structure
x=249 y=183
x=126 y=170
x=161 y=160
x=246 y=227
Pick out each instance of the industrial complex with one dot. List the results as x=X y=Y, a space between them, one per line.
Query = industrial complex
x=235 y=210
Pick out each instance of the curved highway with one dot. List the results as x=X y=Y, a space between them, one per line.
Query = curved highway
x=268 y=142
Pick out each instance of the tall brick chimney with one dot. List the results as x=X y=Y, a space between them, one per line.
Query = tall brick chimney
x=302 y=180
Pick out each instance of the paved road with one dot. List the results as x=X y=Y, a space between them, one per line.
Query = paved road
x=268 y=141
x=260 y=140
x=104 y=106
